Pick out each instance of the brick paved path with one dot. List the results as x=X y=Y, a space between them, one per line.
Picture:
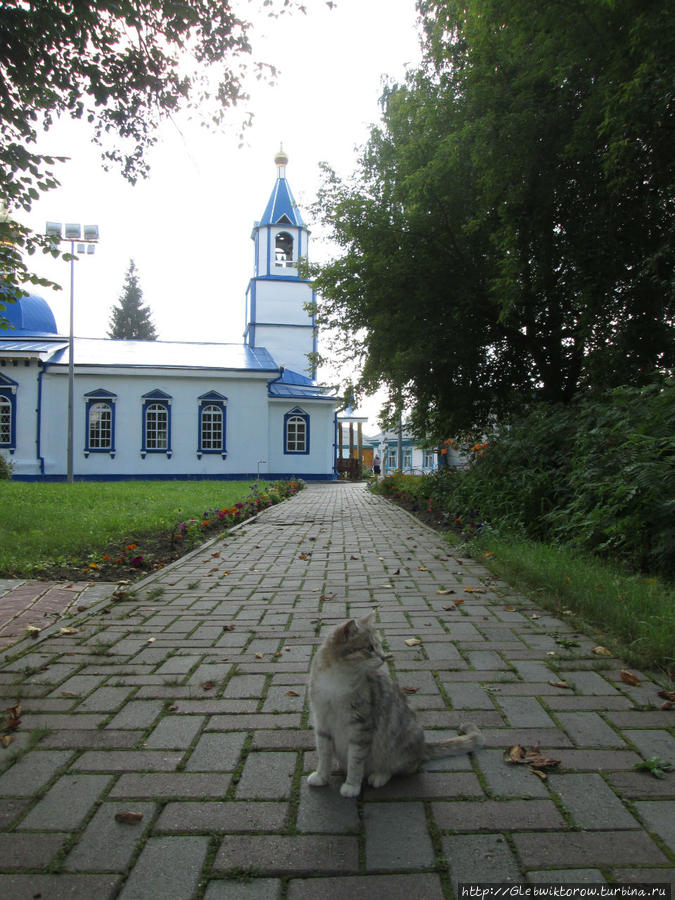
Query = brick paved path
x=187 y=704
x=41 y=603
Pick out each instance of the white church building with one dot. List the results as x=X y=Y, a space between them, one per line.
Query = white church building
x=156 y=409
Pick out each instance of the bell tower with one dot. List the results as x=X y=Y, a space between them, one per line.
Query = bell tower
x=276 y=318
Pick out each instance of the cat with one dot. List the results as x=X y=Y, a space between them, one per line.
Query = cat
x=362 y=718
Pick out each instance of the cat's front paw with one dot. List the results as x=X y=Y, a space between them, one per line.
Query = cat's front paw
x=378 y=780
x=316 y=780
x=350 y=790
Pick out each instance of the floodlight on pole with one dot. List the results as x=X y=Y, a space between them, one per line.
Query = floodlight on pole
x=73 y=233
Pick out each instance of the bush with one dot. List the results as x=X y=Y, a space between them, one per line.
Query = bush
x=5 y=468
x=597 y=474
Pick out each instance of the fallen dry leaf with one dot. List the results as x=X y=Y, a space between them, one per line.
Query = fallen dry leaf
x=449 y=606
x=173 y=707
x=208 y=685
x=68 y=694
x=535 y=616
x=667 y=695
x=410 y=690
x=6 y=740
x=629 y=678
x=32 y=631
x=510 y=608
x=129 y=818
x=215 y=555
x=412 y=642
x=459 y=600
x=445 y=591
x=667 y=704
x=304 y=556
x=292 y=694
x=151 y=640
x=601 y=651
x=68 y=631
x=542 y=775
x=228 y=627
x=532 y=758
x=422 y=569
x=561 y=684
x=260 y=656
x=474 y=590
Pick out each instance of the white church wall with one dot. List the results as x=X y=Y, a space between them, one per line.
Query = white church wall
x=283 y=301
x=320 y=461
x=24 y=456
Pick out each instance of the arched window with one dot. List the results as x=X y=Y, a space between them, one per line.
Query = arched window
x=156 y=426
x=296 y=432
x=6 y=419
x=8 y=389
x=100 y=426
x=156 y=423
x=212 y=427
x=283 y=250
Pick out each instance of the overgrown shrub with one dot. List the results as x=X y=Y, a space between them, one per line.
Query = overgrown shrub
x=597 y=474
x=5 y=469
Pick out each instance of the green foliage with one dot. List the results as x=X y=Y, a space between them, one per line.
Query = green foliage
x=131 y=321
x=5 y=468
x=510 y=229
x=654 y=765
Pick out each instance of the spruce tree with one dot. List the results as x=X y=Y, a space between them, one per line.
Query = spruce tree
x=130 y=321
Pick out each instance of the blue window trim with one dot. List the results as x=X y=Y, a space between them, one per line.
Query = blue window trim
x=161 y=399
x=213 y=398
x=8 y=389
x=92 y=398
x=300 y=413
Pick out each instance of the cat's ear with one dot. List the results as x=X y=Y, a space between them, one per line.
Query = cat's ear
x=347 y=630
x=369 y=620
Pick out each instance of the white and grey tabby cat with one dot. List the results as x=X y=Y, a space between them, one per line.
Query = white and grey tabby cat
x=361 y=717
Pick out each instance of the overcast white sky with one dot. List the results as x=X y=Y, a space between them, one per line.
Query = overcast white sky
x=188 y=227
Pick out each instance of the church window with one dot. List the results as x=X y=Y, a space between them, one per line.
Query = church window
x=8 y=389
x=156 y=423
x=407 y=458
x=156 y=427
x=212 y=424
x=391 y=458
x=296 y=431
x=428 y=460
x=100 y=425
x=5 y=422
x=283 y=250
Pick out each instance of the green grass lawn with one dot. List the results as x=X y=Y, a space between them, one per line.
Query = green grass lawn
x=632 y=613
x=57 y=529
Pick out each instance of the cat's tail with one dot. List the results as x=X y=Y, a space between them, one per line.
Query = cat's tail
x=470 y=740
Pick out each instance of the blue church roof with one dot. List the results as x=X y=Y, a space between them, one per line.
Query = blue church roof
x=292 y=384
x=281 y=208
x=27 y=315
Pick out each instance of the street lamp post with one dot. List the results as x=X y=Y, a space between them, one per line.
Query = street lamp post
x=84 y=238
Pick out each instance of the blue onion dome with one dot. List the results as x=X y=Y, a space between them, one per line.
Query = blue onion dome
x=29 y=315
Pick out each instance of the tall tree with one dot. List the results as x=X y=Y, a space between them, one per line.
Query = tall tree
x=510 y=230
x=123 y=66
x=131 y=321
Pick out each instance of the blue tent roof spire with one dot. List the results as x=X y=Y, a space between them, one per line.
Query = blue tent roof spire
x=281 y=208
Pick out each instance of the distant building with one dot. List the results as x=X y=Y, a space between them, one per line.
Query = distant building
x=415 y=460
x=155 y=409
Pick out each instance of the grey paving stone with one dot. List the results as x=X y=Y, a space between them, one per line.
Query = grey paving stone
x=587 y=729
x=324 y=810
x=427 y=785
x=267 y=776
x=29 y=851
x=567 y=876
x=591 y=802
x=223 y=817
x=128 y=761
x=136 y=714
x=167 y=867
x=174 y=731
x=659 y=817
x=216 y=752
x=497 y=815
x=399 y=841
x=168 y=785
x=586 y=682
x=105 y=699
x=507 y=779
x=59 y=887
x=468 y=696
x=469 y=855
x=587 y=849
x=258 y=889
x=653 y=742
x=66 y=804
x=106 y=844
x=245 y=686
x=525 y=712
x=289 y=855
x=370 y=887
x=32 y=772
